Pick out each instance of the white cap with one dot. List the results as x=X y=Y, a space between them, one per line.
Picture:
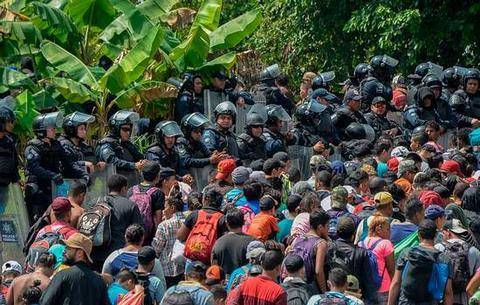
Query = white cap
x=12 y=266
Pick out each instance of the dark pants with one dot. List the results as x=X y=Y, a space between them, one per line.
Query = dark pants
x=37 y=204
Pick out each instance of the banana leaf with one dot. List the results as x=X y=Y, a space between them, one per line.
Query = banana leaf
x=156 y=9
x=233 y=32
x=24 y=31
x=62 y=60
x=209 y=14
x=132 y=66
x=13 y=78
x=53 y=17
x=224 y=62
x=97 y=13
x=147 y=91
x=44 y=99
x=71 y=90
x=25 y=112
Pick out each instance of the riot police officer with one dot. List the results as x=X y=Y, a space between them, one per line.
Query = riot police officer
x=378 y=83
x=424 y=110
x=73 y=141
x=220 y=83
x=377 y=118
x=449 y=121
x=116 y=148
x=323 y=80
x=190 y=99
x=326 y=98
x=164 y=150
x=275 y=140
x=193 y=153
x=268 y=92
x=421 y=70
x=221 y=138
x=349 y=113
x=466 y=102
x=451 y=80
x=8 y=152
x=45 y=157
x=251 y=144
x=383 y=67
x=361 y=72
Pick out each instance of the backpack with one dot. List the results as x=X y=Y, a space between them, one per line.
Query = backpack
x=458 y=254
x=177 y=297
x=406 y=243
x=144 y=202
x=35 y=228
x=95 y=223
x=240 y=278
x=248 y=216
x=330 y=299
x=339 y=259
x=304 y=246
x=42 y=244
x=376 y=278
x=332 y=224
x=201 y=239
x=229 y=204
x=144 y=280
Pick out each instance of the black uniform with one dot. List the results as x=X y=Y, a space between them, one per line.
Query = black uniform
x=344 y=117
x=251 y=148
x=192 y=153
x=187 y=103
x=273 y=95
x=158 y=153
x=75 y=154
x=122 y=155
x=221 y=140
x=466 y=107
x=372 y=87
x=380 y=124
x=8 y=161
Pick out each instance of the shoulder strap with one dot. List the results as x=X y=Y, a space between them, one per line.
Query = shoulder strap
x=151 y=190
x=374 y=245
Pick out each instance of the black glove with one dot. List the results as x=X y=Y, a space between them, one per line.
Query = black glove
x=58 y=179
x=87 y=180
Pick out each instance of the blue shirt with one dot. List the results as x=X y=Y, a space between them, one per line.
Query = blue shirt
x=399 y=231
x=114 y=290
x=284 y=227
x=239 y=272
x=254 y=205
x=199 y=294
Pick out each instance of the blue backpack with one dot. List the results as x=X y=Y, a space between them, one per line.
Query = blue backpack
x=376 y=278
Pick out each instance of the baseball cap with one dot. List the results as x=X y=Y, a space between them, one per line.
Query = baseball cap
x=271 y=164
x=195 y=266
x=454 y=226
x=383 y=198
x=259 y=176
x=80 y=241
x=241 y=174
x=12 y=266
x=353 y=94
x=435 y=211
x=323 y=93
x=429 y=198
x=267 y=203
x=451 y=167
x=293 y=263
x=255 y=249
x=61 y=205
x=393 y=163
x=379 y=99
x=165 y=172
x=225 y=168
x=214 y=275
x=406 y=166
x=377 y=183
x=339 y=197
x=281 y=156
x=399 y=151
x=146 y=255
x=151 y=169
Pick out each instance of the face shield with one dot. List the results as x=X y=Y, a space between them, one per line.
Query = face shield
x=273 y=71
x=197 y=120
x=79 y=118
x=278 y=112
x=327 y=76
x=389 y=61
x=259 y=109
x=169 y=129
x=125 y=117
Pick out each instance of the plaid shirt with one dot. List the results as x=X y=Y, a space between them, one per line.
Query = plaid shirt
x=163 y=244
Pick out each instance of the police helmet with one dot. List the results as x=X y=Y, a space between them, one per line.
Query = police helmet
x=167 y=129
x=48 y=120
x=418 y=130
x=120 y=118
x=73 y=120
x=322 y=80
x=471 y=73
x=226 y=108
x=276 y=113
x=451 y=78
x=362 y=71
x=270 y=73
x=6 y=114
x=255 y=119
x=193 y=121
x=383 y=64
x=432 y=80
x=422 y=69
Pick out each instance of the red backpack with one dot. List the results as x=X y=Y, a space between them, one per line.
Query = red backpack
x=144 y=202
x=201 y=239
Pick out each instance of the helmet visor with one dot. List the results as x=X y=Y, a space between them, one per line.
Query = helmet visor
x=171 y=129
x=80 y=118
x=460 y=70
x=389 y=61
x=279 y=113
x=328 y=76
x=315 y=107
x=259 y=109
x=197 y=120
x=53 y=119
x=128 y=117
x=435 y=69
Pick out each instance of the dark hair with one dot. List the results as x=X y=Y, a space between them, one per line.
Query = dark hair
x=271 y=164
x=175 y=199
x=33 y=293
x=266 y=203
x=434 y=174
x=252 y=190
x=194 y=201
x=471 y=199
x=442 y=191
x=413 y=207
x=116 y=182
x=134 y=234
x=294 y=174
x=460 y=189
x=318 y=218
x=338 y=277
x=427 y=229
x=337 y=180
x=309 y=203
x=77 y=188
x=272 y=259
x=382 y=145
x=421 y=138
x=46 y=260
x=275 y=194
x=127 y=274
x=397 y=192
x=282 y=80
x=213 y=197
x=324 y=177
x=235 y=218
x=293 y=202
x=432 y=124
x=345 y=227
x=218 y=292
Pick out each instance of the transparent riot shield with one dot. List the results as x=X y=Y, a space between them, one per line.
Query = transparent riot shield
x=62 y=189
x=295 y=152
x=241 y=120
x=98 y=186
x=210 y=100
x=307 y=153
x=444 y=139
x=201 y=176
x=14 y=223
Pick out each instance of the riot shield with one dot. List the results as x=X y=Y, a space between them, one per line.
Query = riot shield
x=241 y=120
x=300 y=158
x=210 y=100
x=14 y=223
x=98 y=184
x=201 y=176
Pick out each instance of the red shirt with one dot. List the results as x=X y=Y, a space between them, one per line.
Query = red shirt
x=260 y=290
x=62 y=227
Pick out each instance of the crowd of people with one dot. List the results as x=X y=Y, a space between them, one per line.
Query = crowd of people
x=369 y=199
